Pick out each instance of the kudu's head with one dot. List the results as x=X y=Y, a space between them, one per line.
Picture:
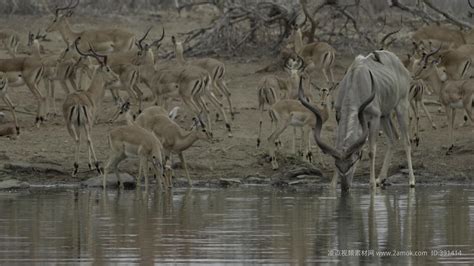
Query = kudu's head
x=354 y=138
x=60 y=15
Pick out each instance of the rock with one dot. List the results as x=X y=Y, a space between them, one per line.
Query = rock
x=298 y=182
x=13 y=184
x=112 y=182
x=228 y=182
x=280 y=183
x=303 y=171
x=32 y=168
x=257 y=180
x=180 y=182
x=314 y=177
x=397 y=178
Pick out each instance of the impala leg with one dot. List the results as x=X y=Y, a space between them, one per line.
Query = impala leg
x=113 y=163
x=33 y=87
x=450 y=115
x=74 y=86
x=48 y=98
x=273 y=137
x=91 y=147
x=411 y=113
x=402 y=116
x=116 y=96
x=53 y=97
x=131 y=93
x=260 y=126
x=331 y=71
x=8 y=102
x=416 y=139
x=139 y=95
x=325 y=74
x=465 y=121
x=308 y=156
x=293 y=141
x=145 y=173
x=81 y=78
x=388 y=130
x=185 y=166
x=64 y=86
x=215 y=102
x=138 y=177
x=76 y=134
x=200 y=105
x=467 y=103
x=166 y=170
x=89 y=157
x=225 y=90
x=427 y=114
x=142 y=171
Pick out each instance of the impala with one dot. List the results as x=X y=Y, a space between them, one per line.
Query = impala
x=214 y=67
x=451 y=38
x=286 y=113
x=453 y=94
x=320 y=56
x=135 y=141
x=6 y=99
x=31 y=72
x=80 y=108
x=101 y=40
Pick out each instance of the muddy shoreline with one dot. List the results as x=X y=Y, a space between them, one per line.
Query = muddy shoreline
x=16 y=175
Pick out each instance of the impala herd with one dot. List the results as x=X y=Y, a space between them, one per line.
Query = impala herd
x=374 y=90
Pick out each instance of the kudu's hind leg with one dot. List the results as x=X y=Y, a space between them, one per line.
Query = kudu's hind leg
x=373 y=133
x=388 y=130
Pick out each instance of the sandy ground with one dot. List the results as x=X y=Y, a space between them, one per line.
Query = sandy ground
x=235 y=157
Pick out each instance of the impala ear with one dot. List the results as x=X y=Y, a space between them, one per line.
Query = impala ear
x=174 y=113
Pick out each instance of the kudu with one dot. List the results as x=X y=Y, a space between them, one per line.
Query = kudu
x=372 y=88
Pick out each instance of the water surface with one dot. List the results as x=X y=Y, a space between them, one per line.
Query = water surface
x=240 y=226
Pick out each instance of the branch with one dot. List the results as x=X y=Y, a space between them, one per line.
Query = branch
x=416 y=12
x=351 y=18
x=448 y=16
